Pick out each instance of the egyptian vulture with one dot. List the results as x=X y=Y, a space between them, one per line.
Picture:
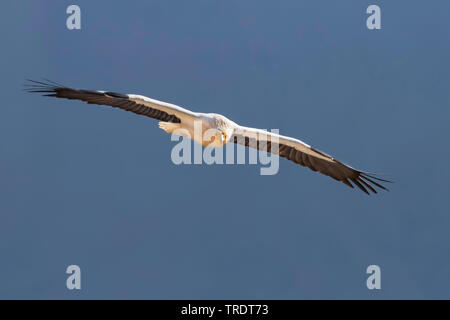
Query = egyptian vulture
x=174 y=119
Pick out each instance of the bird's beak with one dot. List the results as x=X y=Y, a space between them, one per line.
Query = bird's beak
x=223 y=138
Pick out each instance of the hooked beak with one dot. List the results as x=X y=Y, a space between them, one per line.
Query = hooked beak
x=222 y=136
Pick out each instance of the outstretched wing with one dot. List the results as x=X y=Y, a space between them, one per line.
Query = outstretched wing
x=305 y=155
x=130 y=102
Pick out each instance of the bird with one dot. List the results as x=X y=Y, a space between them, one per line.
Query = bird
x=175 y=119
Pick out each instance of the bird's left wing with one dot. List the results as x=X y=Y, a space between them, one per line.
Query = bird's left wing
x=130 y=102
x=307 y=156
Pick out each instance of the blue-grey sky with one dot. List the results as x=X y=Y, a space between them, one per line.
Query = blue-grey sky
x=94 y=186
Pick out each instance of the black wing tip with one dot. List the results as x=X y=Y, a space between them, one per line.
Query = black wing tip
x=366 y=183
x=44 y=81
x=43 y=86
x=372 y=182
x=53 y=89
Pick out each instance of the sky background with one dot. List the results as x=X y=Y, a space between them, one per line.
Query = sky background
x=95 y=186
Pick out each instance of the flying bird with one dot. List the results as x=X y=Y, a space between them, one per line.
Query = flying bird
x=173 y=118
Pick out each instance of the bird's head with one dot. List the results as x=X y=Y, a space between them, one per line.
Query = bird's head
x=223 y=129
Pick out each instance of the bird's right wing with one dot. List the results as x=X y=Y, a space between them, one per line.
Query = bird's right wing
x=130 y=102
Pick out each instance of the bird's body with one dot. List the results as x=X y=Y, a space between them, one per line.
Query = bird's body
x=215 y=130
